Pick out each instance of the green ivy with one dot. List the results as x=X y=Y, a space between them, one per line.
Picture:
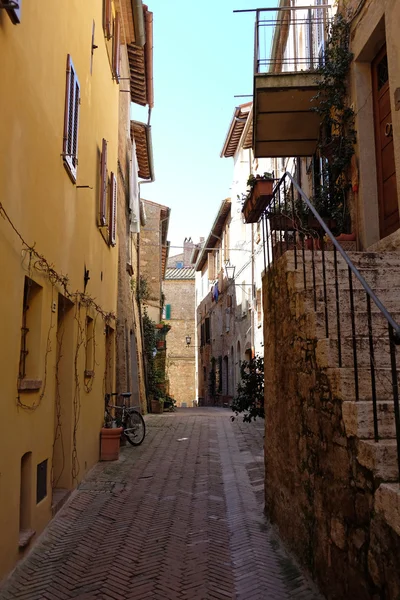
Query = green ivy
x=338 y=135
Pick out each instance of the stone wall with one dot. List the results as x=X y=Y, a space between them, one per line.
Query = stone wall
x=319 y=496
x=129 y=355
x=230 y=339
x=180 y=294
x=150 y=257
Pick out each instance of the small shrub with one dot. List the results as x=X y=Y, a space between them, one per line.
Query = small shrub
x=250 y=391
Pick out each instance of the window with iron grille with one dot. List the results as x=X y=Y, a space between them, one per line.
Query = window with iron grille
x=41 y=481
x=202 y=335
x=71 y=120
x=207 y=330
x=30 y=330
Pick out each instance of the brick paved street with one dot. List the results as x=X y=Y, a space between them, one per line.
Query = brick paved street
x=179 y=518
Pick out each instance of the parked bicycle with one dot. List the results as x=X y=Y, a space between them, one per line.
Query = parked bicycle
x=127 y=417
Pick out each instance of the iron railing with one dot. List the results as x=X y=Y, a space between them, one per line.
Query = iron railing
x=290 y=38
x=291 y=222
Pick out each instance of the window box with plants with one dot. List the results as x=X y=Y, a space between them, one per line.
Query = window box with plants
x=259 y=194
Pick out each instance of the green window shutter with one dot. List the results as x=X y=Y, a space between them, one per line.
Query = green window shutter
x=167 y=311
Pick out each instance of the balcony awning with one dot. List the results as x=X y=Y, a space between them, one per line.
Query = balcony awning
x=236 y=128
x=215 y=233
x=285 y=123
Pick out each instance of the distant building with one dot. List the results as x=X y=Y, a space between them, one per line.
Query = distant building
x=153 y=253
x=179 y=313
x=179 y=261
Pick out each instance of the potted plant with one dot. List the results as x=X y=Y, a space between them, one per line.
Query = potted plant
x=157 y=403
x=259 y=194
x=110 y=436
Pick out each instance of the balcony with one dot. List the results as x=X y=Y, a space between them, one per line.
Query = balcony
x=289 y=50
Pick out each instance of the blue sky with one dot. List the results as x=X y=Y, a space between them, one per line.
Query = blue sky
x=203 y=56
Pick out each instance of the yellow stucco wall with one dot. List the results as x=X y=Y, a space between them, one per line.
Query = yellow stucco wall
x=50 y=211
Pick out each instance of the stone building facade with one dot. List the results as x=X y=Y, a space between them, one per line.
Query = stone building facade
x=134 y=164
x=153 y=256
x=179 y=311
x=59 y=250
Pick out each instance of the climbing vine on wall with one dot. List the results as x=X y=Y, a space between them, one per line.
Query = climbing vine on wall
x=338 y=136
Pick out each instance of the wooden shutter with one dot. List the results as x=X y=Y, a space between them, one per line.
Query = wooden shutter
x=259 y=307
x=226 y=243
x=113 y=210
x=211 y=266
x=107 y=14
x=103 y=185
x=168 y=311
x=14 y=13
x=71 y=120
x=117 y=47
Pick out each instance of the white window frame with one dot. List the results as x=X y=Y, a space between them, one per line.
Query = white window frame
x=71 y=120
x=113 y=210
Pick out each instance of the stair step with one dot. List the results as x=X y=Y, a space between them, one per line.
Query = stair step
x=328 y=351
x=387 y=503
x=343 y=383
x=380 y=458
x=385 y=279
x=358 y=419
x=316 y=321
x=361 y=260
x=389 y=297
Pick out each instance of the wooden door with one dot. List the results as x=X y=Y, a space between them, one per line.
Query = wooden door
x=386 y=170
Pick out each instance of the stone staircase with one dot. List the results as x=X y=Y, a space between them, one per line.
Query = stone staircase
x=382 y=272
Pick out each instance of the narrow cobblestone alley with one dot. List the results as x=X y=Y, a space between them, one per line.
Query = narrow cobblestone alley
x=179 y=518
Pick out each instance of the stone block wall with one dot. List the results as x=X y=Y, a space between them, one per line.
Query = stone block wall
x=319 y=496
x=180 y=295
x=150 y=257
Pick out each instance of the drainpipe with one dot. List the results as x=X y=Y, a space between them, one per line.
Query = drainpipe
x=138 y=19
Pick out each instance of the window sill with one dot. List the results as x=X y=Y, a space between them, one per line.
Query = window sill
x=29 y=385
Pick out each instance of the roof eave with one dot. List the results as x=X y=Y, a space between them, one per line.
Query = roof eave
x=213 y=236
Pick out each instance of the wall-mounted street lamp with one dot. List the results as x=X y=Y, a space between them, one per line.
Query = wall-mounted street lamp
x=230 y=270
x=188 y=340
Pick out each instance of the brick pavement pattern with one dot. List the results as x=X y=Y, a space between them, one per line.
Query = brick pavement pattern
x=179 y=518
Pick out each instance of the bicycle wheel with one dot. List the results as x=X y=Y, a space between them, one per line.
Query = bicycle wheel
x=135 y=428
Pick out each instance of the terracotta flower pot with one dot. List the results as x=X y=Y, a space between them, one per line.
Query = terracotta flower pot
x=258 y=199
x=346 y=237
x=109 y=443
x=160 y=344
x=156 y=407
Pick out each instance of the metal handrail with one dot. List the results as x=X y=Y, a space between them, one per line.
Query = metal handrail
x=346 y=258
